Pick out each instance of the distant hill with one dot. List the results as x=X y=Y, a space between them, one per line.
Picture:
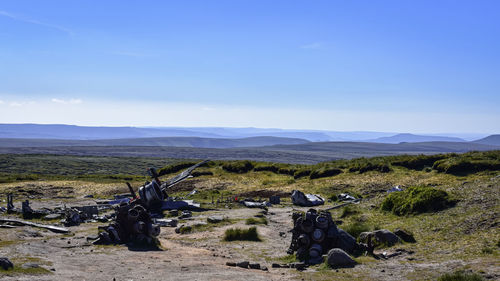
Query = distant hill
x=167 y=141
x=415 y=138
x=72 y=132
x=490 y=140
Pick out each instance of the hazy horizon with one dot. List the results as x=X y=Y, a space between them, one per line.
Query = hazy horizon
x=259 y=131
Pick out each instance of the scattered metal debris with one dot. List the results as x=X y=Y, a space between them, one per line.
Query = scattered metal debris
x=306 y=200
x=314 y=234
x=275 y=200
x=28 y=223
x=395 y=189
x=133 y=223
x=254 y=204
x=29 y=213
x=133 y=217
x=346 y=197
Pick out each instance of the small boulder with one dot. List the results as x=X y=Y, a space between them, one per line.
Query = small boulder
x=30 y=265
x=363 y=236
x=215 y=219
x=405 y=235
x=5 y=263
x=384 y=236
x=346 y=242
x=337 y=258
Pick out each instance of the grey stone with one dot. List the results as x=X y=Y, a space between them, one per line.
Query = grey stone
x=337 y=258
x=384 y=236
x=215 y=219
x=5 y=263
x=167 y=222
x=405 y=235
x=346 y=242
x=30 y=265
x=264 y=268
x=363 y=236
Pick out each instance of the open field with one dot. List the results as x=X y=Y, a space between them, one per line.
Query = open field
x=465 y=236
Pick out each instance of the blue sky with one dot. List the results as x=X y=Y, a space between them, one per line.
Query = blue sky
x=407 y=66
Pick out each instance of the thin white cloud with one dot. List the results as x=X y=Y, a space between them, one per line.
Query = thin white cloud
x=15 y=104
x=1 y=102
x=71 y=101
x=312 y=46
x=33 y=21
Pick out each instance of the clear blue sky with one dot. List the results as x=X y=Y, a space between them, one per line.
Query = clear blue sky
x=407 y=66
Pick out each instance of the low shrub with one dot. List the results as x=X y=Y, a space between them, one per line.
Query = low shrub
x=252 y=221
x=465 y=166
x=324 y=172
x=239 y=167
x=234 y=234
x=287 y=171
x=266 y=167
x=348 y=211
x=356 y=228
x=415 y=200
x=301 y=173
x=201 y=173
x=460 y=276
x=174 y=168
x=366 y=167
x=418 y=162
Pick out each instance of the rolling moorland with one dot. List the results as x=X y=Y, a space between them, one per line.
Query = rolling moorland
x=305 y=153
x=462 y=236
x=274 y=145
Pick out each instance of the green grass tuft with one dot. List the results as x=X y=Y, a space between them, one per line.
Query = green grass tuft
x=325 y=172
x=460 y=276
x=356 y=228
x=252 y=221
x=238 y=234
x=415 y=200
x=239 y=167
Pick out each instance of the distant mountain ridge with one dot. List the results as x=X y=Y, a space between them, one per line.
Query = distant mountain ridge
x=73 y=132
x=399 y=138
x=490 y=140
x=165 y=141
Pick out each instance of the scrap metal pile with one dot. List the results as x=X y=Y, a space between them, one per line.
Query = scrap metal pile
x=314 y=234
x=133 y=219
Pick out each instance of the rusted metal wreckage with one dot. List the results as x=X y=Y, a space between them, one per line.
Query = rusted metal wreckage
x=134 y=218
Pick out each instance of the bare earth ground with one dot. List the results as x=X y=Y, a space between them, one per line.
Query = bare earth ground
x=199 y=255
